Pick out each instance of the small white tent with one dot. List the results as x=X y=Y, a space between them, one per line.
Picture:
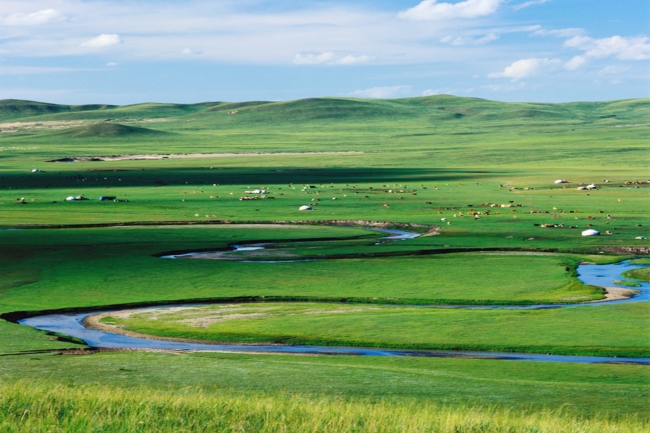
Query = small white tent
x=590 y=232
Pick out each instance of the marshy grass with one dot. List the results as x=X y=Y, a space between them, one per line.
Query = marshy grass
x=627 y=283
x=30 y=406
x=641 y=274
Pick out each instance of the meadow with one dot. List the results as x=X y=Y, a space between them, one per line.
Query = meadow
x=475 y=177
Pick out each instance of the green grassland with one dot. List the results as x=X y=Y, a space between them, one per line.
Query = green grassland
x=567 y=331
x=480 y=173
x=642 y=274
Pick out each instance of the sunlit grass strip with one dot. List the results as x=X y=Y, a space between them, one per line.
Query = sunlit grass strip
x=46 y=406
x=572 y=331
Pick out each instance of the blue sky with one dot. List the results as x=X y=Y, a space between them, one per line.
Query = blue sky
x=128 y=51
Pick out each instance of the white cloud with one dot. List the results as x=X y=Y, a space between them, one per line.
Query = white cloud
x=351 y=60
x=529 y=3
x=525 y=68
x=613 y=70
x=31 y=70
x=429 y=10
x=464 y=40
x=562 y=33
x=190 y=52
x=245 y=33
x=633 y=48
x=328 y=58
x=382 y=92
x=43 y=16
x=312 y=58
x=112 y=64
x=103 y=40
x=488 y=38
x=575 y=63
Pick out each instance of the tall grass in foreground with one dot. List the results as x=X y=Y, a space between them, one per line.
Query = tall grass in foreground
x=29 y=406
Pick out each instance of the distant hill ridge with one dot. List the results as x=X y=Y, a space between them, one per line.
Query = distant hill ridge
x=440 y=107
x=15 y=108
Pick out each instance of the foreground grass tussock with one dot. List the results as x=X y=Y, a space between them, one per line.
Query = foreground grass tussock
x=29 y=406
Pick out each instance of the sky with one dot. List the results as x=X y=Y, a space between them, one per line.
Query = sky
x=188 y=51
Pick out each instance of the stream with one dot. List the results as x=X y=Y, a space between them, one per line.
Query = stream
x=598 y=275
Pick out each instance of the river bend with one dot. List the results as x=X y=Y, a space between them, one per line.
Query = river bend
x=598 y=275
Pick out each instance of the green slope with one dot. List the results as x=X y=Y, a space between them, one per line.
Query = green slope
x=431 y=109
x=36 y=111
x=107 y=129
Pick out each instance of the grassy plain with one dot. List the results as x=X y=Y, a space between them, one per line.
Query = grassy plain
x=483 y=172
x=642 y=274
x=573 y=331
x=523 y=396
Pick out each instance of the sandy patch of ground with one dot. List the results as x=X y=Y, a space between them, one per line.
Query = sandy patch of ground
x=434 y=231
x=611 y=294
x=93 y=322
x=192 y=156
x=616 y=294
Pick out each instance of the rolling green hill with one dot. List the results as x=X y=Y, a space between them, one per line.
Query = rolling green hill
x=28 y=111
x=453 y=130
x=432 y=108
x=498 y=190
x=105 y=129
x=17 y=109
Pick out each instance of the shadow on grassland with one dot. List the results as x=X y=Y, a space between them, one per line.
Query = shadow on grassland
x=103 y=176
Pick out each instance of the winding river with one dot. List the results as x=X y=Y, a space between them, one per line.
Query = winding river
x=598 y=275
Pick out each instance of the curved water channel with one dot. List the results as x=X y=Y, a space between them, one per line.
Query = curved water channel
x=72 y=324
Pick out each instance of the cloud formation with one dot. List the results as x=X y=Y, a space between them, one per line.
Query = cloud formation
x=464 y=40
x=562 y=33
x=101 y=41
x=525 y=68
x=31 y=70
x=312 y=58
x=328 y=58
x=575 y=63
x=634 y=48
x=351 y=60
x=435 y=46
x=43 y=16
x=431 y=10
x=529 y=3
x=190 y=52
